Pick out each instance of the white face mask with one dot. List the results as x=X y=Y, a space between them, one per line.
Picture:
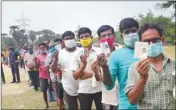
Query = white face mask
x=58 y=47
x=70 y=43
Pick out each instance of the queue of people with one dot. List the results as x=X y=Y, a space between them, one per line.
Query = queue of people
x=113 y=78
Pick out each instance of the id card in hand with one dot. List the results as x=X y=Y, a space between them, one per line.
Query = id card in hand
x=86 y=51
x=141 y=49
x=105 y=48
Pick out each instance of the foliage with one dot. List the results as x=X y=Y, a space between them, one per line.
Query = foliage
x=165 y=22
x=45 y=35
x=166 y=5
x=6 y=41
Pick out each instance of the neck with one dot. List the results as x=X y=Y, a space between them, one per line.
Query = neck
x=129 y=47
x=112 y=48
x=156 y=59
x=70 y=49
x=89 y=47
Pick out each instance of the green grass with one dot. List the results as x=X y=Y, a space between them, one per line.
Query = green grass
x=21 y=96
x=170 y=51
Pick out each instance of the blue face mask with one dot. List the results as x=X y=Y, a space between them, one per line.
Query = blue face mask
x=155 y=49
x=52 y=50
x=130 y=39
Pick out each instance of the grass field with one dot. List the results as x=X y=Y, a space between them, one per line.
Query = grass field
x=21 y=96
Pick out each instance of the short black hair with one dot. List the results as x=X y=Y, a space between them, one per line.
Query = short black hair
x=58 y=40
x=42 y=44
x=68 y=33
x=147 y=26
x=84 y=30
x=127 y=23
x=104 y=28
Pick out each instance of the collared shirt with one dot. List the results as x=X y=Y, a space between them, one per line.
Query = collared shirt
x=110 y=96
x=85 y=86
x=158 y=92
x=119 y=63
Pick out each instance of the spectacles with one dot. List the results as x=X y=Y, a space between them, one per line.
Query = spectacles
x=128 y=31
x=154 y=40
x=107 y=35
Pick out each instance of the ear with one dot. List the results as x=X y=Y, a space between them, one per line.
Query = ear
x=162 y=40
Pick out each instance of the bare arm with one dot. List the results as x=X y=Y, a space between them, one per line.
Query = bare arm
x=136 y=93
x=106 y=76
x=79 y=73
x=135 y=85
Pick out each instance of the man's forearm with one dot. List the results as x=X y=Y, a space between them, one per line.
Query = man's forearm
x=106 y=76
x=135 y=94
x=86 y=75
x=53 y=66
x=79 y=73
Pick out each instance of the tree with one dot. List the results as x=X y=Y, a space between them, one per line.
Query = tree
x=166 y=23
x=6 y=41
x=18 y=35
x=32 y=36
x=166 y=5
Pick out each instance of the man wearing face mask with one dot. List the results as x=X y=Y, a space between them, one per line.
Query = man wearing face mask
x=64 y=60
x=82 y=71
x=109 y=97
x=31 y=67
x=151 y=81
x=120 y=60
x=14 y=61
x=43 y=71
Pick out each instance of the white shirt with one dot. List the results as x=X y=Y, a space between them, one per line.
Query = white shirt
x=85 y=86
x=110 y=96
x=65 y=58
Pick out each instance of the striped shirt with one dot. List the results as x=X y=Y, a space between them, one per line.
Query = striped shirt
x=158 y=91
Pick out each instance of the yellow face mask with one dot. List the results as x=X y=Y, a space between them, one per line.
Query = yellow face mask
x=86 y=42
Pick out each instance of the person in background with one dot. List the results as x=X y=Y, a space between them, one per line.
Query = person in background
x=81 y=67
x=6 y=54
x=109 y=97
x=23 y=51
x=58 y=43
x=2 y=71
x=57 y=86
x=47 y=44
x=14 y=62
x=151 y=81
x=120 y=61
x=43 y=72
x=31 y=67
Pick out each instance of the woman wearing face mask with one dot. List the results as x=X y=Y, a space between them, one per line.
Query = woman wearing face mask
x=120 y=61
x=64 y=60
